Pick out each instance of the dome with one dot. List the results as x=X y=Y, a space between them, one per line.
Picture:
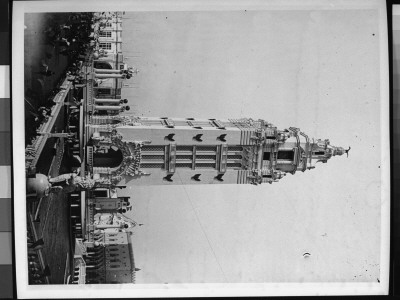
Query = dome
x=38 y=184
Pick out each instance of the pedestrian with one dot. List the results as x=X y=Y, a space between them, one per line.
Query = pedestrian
x=47 y=73
x=45 y=273
x=36 y=245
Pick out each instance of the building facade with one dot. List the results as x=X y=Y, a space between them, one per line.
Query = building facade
x=103 y=248
x=111 y=57
x=109 y=260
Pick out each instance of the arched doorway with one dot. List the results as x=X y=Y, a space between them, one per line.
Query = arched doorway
x=109 y=159
x=102 y=65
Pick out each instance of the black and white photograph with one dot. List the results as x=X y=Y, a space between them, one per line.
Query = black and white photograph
x=200 y=148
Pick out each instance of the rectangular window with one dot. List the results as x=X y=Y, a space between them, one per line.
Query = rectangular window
x=100 y=193
x=105 y=34
x=180 y=157
x=286 y=155
x=319 y=153
x=103 y=92
x=153 y=157
x=152 y=148
x=234 y=165
x=108 y=24
x=105 y=46
x=203 y=157
x=235 y=148
x=184 y=148
x=267 y=156
x=205 y=165
x=183 y=165
x=156 y=165
x=206 y=148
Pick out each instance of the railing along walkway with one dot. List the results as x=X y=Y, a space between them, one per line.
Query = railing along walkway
x=34 y=150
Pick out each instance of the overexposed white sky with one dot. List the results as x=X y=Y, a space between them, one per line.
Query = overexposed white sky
x=314 y=69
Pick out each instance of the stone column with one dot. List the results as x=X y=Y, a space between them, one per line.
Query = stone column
x=105 y=76
x=107 y=71
x=105 y=226
x=107 y=107
x=110 y=101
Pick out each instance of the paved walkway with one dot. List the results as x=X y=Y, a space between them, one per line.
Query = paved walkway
x=54 y=225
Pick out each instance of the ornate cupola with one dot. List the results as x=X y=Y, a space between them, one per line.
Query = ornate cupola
x=322 y=151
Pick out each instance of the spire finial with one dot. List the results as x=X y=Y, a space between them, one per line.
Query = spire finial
x=347 y=151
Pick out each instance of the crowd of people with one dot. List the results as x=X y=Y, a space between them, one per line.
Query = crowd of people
x=37 y=272
x=72 y=38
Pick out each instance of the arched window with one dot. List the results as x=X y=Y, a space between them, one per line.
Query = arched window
x=102 y=65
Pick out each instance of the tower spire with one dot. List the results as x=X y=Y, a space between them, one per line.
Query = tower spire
x=200 y=151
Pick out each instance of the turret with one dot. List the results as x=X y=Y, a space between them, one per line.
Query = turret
x=322 y=151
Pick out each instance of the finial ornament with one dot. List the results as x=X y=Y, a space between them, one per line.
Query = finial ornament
x=347 y=151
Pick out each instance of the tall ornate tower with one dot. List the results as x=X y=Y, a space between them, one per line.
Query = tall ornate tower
x=159 y=151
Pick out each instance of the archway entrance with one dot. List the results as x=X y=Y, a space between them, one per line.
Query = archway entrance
x=110 y=159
